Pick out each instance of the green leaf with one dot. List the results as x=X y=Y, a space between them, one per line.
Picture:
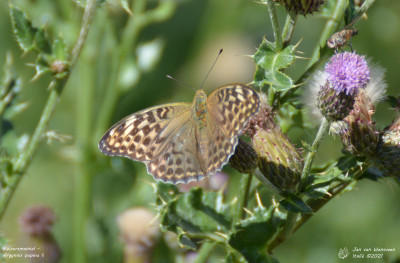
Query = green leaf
x=295 y=204
x=195 y=213
x=60 y=50
x=12 y=144
x=306 y=146
x=42 y=42
x=23 y=29
x=269 y=66
x=234 y=257
x=10 y=88
x=251 y=236
x=185 y=241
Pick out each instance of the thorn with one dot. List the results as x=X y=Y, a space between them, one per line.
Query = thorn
x=294 y=86
x=221 y=235
x=274 y=201
x=152 y=184
x=162 y=200
x=154 y=219
x=298 y=43
x=298 y=57
x=258 y=199
x=234 y=200
x=248 y=211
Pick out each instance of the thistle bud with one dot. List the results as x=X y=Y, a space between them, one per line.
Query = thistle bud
x=279 y=161
x=139 y=232
x=388 y=156
x=302 y=7
x=245 y=158
x=37 y=222
x=334 y=105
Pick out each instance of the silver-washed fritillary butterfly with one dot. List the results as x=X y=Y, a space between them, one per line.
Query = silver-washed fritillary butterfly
x=183 y=142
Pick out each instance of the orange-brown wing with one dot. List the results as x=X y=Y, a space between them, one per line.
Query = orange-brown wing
x=143 y=135
x=232 y=106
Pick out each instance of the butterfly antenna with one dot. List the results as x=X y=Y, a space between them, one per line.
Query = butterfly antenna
x=180 y=82
x=208 y=73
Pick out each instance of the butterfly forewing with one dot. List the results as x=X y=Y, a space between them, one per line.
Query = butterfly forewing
x=232 y=106
x=142 y=135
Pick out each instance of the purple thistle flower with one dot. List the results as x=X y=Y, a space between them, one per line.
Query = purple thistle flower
x=347 y=72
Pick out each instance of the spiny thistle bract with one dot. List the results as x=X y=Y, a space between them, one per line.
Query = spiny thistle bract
x=302 y=7
x=388 y=156
x=358 y=132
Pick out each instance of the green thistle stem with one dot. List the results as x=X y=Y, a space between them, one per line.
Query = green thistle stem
x=331 y=27
x=56 y=87
x=316 y=204
x=204 y=252
x=135 y=24
x=275 y=25
x=323 y=129
x=244 y=188
x=85 y=145
x=365 y=6
x=288 y=29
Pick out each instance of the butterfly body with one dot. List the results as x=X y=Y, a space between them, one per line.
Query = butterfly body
x=183 y=142
x=200 y=107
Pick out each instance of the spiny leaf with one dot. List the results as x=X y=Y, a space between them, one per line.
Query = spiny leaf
x=251 y=236
x=269 y=65
x=41 y=65
x=23 y=29
x=192 y=213
x=42 y=42
x=10 y=87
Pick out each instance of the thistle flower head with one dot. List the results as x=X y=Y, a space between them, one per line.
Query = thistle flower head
x=332 y=92
x=37 y=221
x=139 y=231
x=347 y=73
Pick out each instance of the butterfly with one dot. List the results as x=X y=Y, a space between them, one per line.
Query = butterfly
x=183 y=142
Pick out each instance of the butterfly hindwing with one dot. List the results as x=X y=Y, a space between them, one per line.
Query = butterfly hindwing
x=179 y=162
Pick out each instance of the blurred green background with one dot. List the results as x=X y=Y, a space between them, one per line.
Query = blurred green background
x=184 y=46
